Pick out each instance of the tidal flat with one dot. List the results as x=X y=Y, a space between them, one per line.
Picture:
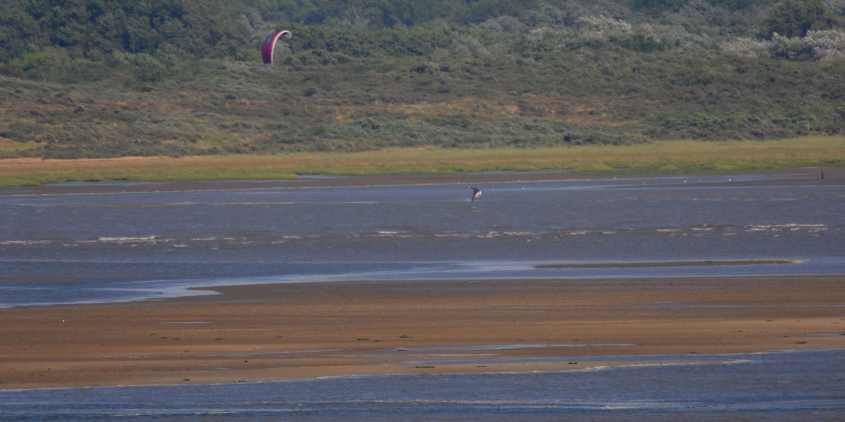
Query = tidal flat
x=737 y=278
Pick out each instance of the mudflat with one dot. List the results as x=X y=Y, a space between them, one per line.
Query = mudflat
x=286 y=331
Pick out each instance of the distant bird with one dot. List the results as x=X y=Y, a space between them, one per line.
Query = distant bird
x=476 y=194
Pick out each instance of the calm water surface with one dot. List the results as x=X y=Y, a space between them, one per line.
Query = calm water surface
x=117 y=246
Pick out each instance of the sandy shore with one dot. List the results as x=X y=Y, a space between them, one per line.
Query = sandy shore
x=311 y=330
x=300 y=182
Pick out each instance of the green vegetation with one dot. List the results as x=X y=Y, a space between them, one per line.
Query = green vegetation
x=108 y=78
x=794 y=18
x=664 y=157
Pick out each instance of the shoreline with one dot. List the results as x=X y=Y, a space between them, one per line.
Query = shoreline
x=307 y=331
x=211 y=287
x=297 y=182
x=787 y=176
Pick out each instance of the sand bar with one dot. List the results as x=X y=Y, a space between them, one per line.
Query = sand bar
x=310 y=330
x=664 y=264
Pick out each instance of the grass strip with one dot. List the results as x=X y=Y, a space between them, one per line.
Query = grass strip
x=663 y=157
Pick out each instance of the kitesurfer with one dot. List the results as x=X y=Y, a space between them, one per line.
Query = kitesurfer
x=476 y=194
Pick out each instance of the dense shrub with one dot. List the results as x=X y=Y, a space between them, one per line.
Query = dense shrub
x=794 y=18
x=657 y=5
x=746 y=47
x=816 y=45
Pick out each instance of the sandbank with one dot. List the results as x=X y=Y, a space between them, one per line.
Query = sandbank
x=293 y=331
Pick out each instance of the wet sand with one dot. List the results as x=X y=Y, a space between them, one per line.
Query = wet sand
x=271 y=332
x=665 y=264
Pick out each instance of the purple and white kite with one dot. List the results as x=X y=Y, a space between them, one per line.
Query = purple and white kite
x=268 y=48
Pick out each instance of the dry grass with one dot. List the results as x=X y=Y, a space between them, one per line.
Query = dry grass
x=667 y=157
x=9 y=148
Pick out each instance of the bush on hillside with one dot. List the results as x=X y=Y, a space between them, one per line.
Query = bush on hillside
x=794 y=18
x=816 y=45
x=747 y=47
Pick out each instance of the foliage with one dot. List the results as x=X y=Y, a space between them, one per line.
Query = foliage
x=794 y=18
x=816 y=45
x=93 y=29
x=657 y=5
x=102 y=78
x=748 y=48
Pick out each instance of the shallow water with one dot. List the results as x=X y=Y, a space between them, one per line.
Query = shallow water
x=118 y=246
x=773 y=387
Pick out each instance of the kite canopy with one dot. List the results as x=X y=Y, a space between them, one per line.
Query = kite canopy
x=268 y=48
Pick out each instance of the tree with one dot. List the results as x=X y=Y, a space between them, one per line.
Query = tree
x=793 y=18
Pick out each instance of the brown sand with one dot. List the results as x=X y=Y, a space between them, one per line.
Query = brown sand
x=310 y=330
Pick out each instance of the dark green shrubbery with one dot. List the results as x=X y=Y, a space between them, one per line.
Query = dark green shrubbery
x=794 y=18
x=657 y=5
